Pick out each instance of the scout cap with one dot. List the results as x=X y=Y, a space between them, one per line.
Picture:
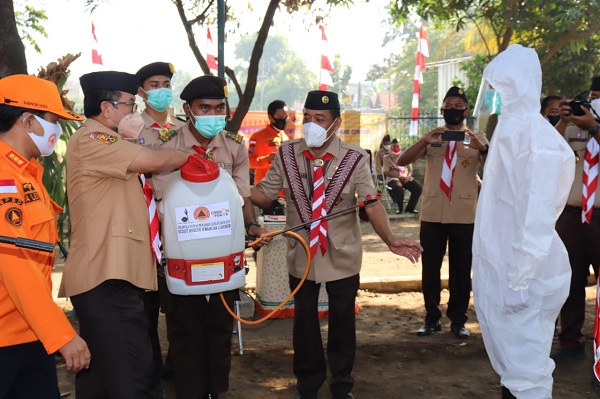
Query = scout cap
x=207 y=86
x=109 y=80
x=595 y=84
x=26 y=91
x=455 y=91
x=154 y=69
x=320 y=99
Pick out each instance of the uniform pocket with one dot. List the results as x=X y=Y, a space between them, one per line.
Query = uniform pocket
x=129 y=231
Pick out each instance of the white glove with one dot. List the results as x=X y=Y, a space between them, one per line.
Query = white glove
x=515 y=301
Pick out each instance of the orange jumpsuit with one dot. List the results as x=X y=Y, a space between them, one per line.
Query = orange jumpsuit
x=27 y=311
x=262 y=144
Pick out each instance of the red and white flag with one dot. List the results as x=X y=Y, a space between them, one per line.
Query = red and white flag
x=422 y=52
x=8 y=186
x=96 y=54
x=211 y=60
x=325 y=79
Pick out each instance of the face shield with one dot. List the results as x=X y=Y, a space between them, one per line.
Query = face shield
x=488 y=100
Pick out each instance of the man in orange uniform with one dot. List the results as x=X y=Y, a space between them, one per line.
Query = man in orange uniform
x=264 y=144
x=32 y=326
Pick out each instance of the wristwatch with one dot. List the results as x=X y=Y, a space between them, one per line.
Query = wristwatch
x=484 y=152
x=594 y=131
x=250 y=225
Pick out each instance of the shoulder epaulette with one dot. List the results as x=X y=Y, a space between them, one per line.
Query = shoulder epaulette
x=235 y=137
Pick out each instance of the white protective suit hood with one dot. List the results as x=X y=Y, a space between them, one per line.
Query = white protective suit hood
x=526 y=181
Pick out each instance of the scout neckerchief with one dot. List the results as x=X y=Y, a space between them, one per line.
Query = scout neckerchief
x=590 y=180
x=335 y=186
x=154 y=227
x=318 y=229
x=448 y=167
x=205 y=152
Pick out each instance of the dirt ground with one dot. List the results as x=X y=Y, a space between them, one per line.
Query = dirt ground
x=391 y=361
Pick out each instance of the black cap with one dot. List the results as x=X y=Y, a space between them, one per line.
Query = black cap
x=320 y=99
x=595 y=84
x=109 y=80
x=207 y=86
x=154 y=69
x=456 y=92
x=395 y=141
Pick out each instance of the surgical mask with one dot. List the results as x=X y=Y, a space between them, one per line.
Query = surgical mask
x=209 y=125
x=554 y=119
x=387 y=147
x=315 y=135
x=280 y=123
x=454 y=116
x=130 y=125
x=493 y=101
x=596 y=107
x=159 y=99
x=48 y=141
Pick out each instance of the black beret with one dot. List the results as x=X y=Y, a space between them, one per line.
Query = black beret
x=595 y=84
x=319 y=99
x=154 y=69
x=395 y=141
x=109 y=80
x=207 y=86
x=456 y=92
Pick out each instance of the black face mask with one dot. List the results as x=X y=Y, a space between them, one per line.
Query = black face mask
x=553 y=119
x=280 y=123
x=454 y=116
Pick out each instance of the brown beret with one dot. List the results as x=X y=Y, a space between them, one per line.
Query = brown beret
x=207 y=86
x=320 y=99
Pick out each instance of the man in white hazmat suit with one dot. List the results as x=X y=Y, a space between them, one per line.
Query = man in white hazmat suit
x=521 y=270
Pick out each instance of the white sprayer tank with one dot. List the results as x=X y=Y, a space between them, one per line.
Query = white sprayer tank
x=203 y=230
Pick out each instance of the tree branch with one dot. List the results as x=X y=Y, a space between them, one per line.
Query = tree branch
x=571 y=35
x=191 y=38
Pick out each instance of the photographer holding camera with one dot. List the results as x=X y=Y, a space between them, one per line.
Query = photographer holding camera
x=448 y=210
x=579 y=224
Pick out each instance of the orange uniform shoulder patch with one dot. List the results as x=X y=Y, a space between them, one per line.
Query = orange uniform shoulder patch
x=15 y=158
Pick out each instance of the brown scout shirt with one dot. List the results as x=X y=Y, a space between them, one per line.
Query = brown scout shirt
x=344 y=240
x=110 y=236
x=577 y=140
x=436 y=208
x=227 y=150
x=151 y=137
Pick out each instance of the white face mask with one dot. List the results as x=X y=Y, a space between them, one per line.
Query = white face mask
x=315 y=135
x=48 y=141
x=387 y=147
x=596 y=107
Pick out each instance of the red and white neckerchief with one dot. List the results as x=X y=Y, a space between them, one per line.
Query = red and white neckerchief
x=590 y=180
x=158 y=126
x=155 y=242
x=446 y=183
x=318 y=229
x=205 y=152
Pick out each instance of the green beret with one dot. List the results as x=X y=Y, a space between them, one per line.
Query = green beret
x=154 y=69
x=109 y=80
x=320 y=99
x=595 y=84
x=456 y=92
x=207 y=86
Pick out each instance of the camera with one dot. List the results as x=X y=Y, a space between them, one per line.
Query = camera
x=453 y=135
x=577 y=105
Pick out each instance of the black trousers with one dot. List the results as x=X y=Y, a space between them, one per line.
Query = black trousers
x=459 y=239
x=27 y=371
x=397 y=193
x=152 y=306
x=309 y=359
x=199 y=333
x=581 y=241
x=113 y=322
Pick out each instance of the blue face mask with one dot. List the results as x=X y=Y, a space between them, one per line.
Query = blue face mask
x=159 y=99
x=493 y=102
x=209 y=125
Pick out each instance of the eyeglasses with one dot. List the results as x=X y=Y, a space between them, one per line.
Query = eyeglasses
x=132 y=104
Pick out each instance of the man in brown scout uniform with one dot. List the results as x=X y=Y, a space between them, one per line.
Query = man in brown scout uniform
x=341 y=171
x=579 y=227
x=111 y=260
x=199 y=327
x=448 y=211
x=154 y=82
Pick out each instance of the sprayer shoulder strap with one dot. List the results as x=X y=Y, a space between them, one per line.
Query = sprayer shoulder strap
x=337 y=183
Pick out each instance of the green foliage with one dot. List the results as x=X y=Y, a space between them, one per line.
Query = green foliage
x=341 y=78
x=474 y=70
x=29 y=22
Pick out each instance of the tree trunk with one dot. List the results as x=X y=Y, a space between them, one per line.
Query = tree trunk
x=13 y=60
